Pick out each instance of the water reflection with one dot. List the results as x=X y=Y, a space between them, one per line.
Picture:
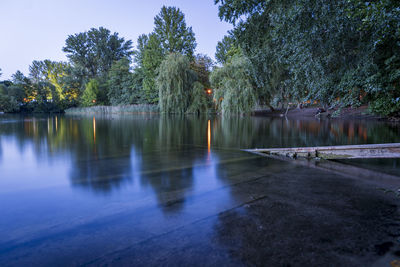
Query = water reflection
x=136 y=163
x=94 y=130
x=261 y=132
x=209 y=137
x=107 y=152
x=207 y=176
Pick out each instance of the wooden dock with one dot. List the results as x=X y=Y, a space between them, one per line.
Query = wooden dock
x=390 y=150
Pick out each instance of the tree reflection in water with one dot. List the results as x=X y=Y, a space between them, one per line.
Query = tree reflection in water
x=108 y=151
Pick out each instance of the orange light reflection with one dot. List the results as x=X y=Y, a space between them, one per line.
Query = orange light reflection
x=209 y=138
x=94 y=129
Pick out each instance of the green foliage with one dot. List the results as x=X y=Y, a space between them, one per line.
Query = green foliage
x=17 y=92
x=51 y=72
x=28 y=90
x=198 y=99
x=152 y=57
x=54 y=86
x=329 y=51
x=3 y=89
x=232 y=10
x=37 y=71
x=55 y=71
x=380 y=19
x=95 y=51
x=90 y=95
x=175 y=82
x=18 y=77
x=138 y=96
x=226 y=49
x=8 y=102
x=120 y=83
x=202 y=65
x=73 y=83
x=175 y=37
x=47 y=81
x=386 y=105
x=142 y=42
x=170 y=35
x=234 y=90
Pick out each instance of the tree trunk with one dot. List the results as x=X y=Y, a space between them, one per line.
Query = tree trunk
x=287 y=110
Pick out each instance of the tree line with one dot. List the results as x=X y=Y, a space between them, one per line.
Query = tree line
x=334 y=53
x=166 y=71
x=279 y=53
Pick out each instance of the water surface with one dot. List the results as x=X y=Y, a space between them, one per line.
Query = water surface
x=140 y=190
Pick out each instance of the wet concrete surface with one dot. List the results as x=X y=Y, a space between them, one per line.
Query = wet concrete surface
x=389 y=166
x=285 y=216
x=314 y=219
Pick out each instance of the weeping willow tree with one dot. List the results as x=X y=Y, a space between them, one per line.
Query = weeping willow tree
x=234 y=89
x=175 y=82
x=198 y=99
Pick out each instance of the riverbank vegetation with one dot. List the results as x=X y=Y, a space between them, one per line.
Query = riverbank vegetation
x=333 y=54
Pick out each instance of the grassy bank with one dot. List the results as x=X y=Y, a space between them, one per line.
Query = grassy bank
x=127 y=109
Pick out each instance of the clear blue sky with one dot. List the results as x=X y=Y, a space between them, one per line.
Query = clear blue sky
x=37 y=29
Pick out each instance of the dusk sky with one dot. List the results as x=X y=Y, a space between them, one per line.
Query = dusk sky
x=37 y=29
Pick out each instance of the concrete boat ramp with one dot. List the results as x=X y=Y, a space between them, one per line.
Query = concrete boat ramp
x=390 y=150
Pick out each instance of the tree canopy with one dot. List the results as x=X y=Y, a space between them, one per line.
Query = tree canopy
x=121 y=88
x=234 y=91
x=202 y=65
x=175 y=37
x=170 y=35
x=225 y=49
x=95 y=50
x=175 y=82
x=152 y=57
x=335 y=52
x=91 y=93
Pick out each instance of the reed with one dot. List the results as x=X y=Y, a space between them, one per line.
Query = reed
x=123 y=109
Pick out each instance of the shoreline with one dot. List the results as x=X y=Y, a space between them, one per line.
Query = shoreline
x=360 y=113
x=308 y=113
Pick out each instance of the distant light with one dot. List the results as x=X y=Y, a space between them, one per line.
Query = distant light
x=209 y=91
x=94 y=101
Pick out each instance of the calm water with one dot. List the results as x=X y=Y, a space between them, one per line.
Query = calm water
x=140 y=190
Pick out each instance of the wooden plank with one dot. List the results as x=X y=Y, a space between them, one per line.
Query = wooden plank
x=390 y=150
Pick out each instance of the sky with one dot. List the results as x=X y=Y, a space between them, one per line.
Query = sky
x=37 y=29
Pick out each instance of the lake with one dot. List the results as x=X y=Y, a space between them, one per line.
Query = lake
x=140 y=190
